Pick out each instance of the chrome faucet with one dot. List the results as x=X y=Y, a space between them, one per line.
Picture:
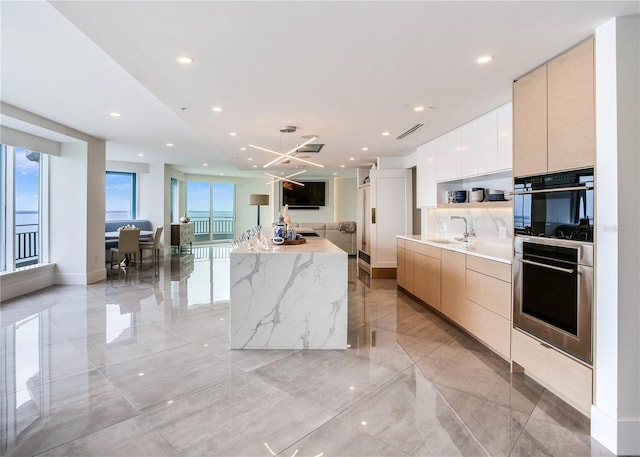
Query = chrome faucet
x=466 y=228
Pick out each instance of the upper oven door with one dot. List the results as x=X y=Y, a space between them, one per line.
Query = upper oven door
x=554 y=212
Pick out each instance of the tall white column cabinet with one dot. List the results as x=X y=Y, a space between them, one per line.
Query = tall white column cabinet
x=384 y=211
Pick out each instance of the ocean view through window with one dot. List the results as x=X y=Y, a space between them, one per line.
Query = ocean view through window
x=21 y=197
x=211 y=208
x=120 y=194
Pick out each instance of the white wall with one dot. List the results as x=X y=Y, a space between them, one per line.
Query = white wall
x=76 y=193
x=615 y=415
x=344 y=199
x=341 y=198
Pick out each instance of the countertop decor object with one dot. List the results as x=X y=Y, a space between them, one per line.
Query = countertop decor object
x=185 y=219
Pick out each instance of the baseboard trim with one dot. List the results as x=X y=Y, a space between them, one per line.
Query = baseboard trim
x=383 y=273
x=620 y=437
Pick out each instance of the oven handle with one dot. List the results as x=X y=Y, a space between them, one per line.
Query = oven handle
x=560 y=189
x=544 y=265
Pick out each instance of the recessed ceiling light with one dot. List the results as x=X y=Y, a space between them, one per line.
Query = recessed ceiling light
x=243 y=149
x=141 y=374
x=217 y=109
x=365 y=148
x=484 y=58
x=335 y=174
x=352 y=158
x=140 y=155
x=255 y=166
x=114 y=114
x=341 y=166
x=233 y=134
x=221 y=174
x=417 y=109
x=250 y=158
x=185 y=59
x=169 y=145
x=363 y=422
x=205 y=164
x=385 y=133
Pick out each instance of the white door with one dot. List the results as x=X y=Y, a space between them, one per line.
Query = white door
x=391 y=211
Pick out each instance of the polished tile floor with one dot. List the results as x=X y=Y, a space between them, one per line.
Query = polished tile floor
x=138 y=365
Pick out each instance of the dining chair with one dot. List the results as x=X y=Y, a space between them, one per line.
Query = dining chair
x=153 y=246
x=128 y=240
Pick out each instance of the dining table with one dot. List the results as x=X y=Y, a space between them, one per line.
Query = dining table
x=144 y=235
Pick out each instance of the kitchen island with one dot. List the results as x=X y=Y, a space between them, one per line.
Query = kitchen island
x=289 y=297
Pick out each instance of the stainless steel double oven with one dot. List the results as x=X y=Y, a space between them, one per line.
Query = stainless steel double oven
x=553 y=264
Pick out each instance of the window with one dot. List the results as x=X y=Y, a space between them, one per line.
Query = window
x=211 y=208
x=120 y=196
x=22 y=197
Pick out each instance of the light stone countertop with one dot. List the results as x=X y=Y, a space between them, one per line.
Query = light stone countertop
x=314 y=245
x=499 y=252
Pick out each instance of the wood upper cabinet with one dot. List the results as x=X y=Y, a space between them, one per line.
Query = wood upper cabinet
x=554 y=114
x=530 y=123
x=571 y=109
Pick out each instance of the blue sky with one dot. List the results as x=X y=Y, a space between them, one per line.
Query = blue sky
x=27 y=182
x=198 y=195
x=118 y=189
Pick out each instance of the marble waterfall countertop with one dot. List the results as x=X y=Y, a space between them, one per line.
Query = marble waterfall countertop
x=492 y=251
x=289 y=297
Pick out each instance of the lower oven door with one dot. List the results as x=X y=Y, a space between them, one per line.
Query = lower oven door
x=553 y=302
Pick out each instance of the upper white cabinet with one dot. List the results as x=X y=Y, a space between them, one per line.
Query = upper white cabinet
x=449 y=156
x=505 y=137
x=478 y=148
x=426 y=176
x=480 y=145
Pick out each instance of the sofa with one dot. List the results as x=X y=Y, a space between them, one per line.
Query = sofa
x=112 y=226
x=342 y=234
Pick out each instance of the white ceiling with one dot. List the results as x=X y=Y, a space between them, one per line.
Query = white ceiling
x=346 y=71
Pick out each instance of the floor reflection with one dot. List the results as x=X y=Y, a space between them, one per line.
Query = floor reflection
x=139 y=364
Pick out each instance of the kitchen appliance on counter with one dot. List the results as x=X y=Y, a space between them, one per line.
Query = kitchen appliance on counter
x=555 y=205
x=553 y=292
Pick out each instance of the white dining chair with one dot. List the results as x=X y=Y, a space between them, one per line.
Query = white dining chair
x=128 y=241
x=153 y=246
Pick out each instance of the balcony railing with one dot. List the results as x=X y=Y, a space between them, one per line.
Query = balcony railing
x=223 y=227
x=27 y=245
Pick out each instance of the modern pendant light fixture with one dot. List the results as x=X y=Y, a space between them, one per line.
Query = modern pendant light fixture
x=290 y=154
x=285 y=178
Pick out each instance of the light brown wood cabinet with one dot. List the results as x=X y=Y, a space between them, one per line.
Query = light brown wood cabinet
x=571 y=109
x=453 y=284
x=427 y=274
x=488 y=303
x=404 y=272
x=570 y=379
x=530 y=123
x=472 y=291
x=554 y=114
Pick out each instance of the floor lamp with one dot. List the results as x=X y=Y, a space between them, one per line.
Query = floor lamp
x=257 y=200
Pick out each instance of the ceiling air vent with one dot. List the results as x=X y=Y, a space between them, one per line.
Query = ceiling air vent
x=311 y=148
x=410 y=131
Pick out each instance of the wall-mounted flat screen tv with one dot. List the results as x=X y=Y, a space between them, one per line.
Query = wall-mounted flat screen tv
x=312 y=194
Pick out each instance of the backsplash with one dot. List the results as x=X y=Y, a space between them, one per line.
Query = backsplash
x=483 y=223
